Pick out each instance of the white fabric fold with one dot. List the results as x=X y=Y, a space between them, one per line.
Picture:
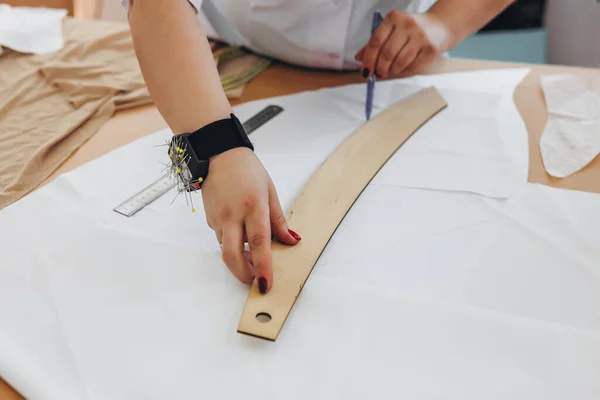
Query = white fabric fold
x=36 y=30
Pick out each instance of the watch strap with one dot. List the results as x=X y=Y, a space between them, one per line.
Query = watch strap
x=218 y=137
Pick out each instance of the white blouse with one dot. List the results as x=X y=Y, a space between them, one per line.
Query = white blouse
x=311 y=33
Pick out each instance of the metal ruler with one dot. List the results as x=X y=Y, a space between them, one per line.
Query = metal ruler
x=161 y=186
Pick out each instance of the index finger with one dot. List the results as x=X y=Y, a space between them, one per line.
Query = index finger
x=258 y=232
x=374 y=45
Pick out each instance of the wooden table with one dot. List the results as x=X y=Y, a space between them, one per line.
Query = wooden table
x=130 y=125
x=68 y=5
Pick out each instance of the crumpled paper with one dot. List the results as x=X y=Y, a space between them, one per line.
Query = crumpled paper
x=35 y=30
x=571 y=138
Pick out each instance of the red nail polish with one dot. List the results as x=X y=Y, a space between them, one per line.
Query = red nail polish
x=295 y=235
x=262 y=285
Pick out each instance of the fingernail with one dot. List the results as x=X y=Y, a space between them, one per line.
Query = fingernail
x=262 y=285
x=294 y=234
x=365 y=73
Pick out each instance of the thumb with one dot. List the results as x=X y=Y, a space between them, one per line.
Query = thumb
x=279 y=226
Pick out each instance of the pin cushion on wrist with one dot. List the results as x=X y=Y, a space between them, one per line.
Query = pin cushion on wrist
x=190 y=153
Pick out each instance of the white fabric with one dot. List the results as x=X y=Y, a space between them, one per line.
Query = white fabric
x=34 y=30
x=315 y=33
x=571 y=138
x=421 y=293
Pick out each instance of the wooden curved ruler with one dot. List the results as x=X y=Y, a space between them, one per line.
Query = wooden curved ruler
x=325 y=201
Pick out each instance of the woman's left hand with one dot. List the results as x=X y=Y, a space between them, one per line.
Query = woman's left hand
x=403 y=44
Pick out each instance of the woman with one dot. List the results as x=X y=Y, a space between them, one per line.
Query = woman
x=170 y=39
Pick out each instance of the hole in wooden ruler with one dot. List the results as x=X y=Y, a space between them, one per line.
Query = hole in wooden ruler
x=263 y=317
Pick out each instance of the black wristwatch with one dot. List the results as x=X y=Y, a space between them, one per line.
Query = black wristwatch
x=190 y=152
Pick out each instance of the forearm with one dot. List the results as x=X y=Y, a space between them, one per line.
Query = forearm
x=465 y=17
x=177 y=64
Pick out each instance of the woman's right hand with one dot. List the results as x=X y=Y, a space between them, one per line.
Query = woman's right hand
x=242 y=205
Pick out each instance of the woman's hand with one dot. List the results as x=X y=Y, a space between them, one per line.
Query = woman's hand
x=403 y=44
x=241 y=206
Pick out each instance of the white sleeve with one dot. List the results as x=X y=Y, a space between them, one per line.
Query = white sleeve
x=195 y=3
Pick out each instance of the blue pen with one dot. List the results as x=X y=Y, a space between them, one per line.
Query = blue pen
x=377 y=18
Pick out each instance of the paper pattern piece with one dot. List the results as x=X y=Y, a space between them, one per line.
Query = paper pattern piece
x=35 y=30
x=423 y=292
x=481 y=136
x=571 y=138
